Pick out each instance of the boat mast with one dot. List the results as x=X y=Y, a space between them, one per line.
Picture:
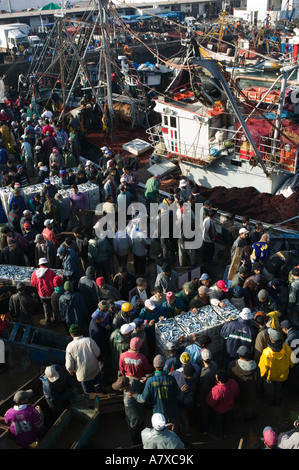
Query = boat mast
x=105 y=43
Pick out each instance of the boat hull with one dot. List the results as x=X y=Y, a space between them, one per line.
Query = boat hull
x=231 y=173
x=268 y=65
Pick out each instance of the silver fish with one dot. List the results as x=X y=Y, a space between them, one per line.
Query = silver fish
x=227 y=312
x=209 y=317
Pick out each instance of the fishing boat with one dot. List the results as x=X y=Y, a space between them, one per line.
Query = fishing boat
x=221 y=43
x=205 y=130
x=259 y=67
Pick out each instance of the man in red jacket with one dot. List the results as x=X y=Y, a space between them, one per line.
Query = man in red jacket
x=132 y=363
x=42 y=279
x=221 y=400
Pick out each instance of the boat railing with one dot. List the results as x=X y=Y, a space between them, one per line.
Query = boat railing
x=277 y=155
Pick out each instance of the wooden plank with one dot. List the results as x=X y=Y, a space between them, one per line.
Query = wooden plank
x=235 y=263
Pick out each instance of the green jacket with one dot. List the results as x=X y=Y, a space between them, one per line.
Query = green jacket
x=152 y=439
x=99 y=250
x=119 y=344
x=152 y=187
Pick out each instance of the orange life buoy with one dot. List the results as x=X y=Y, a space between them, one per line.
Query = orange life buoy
x=128 y=50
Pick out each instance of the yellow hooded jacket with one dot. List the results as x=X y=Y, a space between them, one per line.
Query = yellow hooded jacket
x=275 y=366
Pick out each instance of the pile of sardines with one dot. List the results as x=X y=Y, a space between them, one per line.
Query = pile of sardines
x=16 y=274
x=187 y=323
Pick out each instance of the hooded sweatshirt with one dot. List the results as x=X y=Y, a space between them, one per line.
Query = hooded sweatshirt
x=245 y=374
x=42 y=280
x=88 y=289
x=275 y=362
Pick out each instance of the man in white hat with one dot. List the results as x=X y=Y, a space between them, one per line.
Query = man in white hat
x=239 y=332
x=161 y=435
x=58 y=388
x=241 y=241
x=119 y=343
x=185 y=190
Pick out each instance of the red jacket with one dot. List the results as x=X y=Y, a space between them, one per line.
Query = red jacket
x=222 y=396
x=51 y=236
x=42 y=280
x=134 y=364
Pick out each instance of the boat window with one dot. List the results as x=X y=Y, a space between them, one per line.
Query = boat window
x=165 y=120
x=172 y=121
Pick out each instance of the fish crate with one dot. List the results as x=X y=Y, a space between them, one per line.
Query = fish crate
x=189 y=323
x=211 y=321
x=227 y=312
x=167 y=331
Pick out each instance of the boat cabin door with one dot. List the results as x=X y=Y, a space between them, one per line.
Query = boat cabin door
x=171 y=133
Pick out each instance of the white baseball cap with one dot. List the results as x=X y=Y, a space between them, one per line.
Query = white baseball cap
x=127 y=328
x=150 y=304
x=48 y=222
x=51 y=374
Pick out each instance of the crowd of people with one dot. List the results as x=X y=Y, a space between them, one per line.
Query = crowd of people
x=109 y=307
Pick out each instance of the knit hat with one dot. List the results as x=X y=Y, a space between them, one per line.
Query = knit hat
x=243 y=351
x=185 y=358
x=100 y=281
x=188 y=286
x=47 y=181
x=158 y=422
x=159 y=362
x=204 y=277
x=103 y=305
x=26 y=212
x=263 y=294
x=136 y=343
x=203 y=290
x=274 y=334
x=75 y=330
x=170 y=295
x=269 y=436
x=68 y=285
x=286 y=324
x=57 y=281
x=27 y=225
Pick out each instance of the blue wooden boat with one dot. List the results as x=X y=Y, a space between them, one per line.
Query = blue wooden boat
x=44 y=346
